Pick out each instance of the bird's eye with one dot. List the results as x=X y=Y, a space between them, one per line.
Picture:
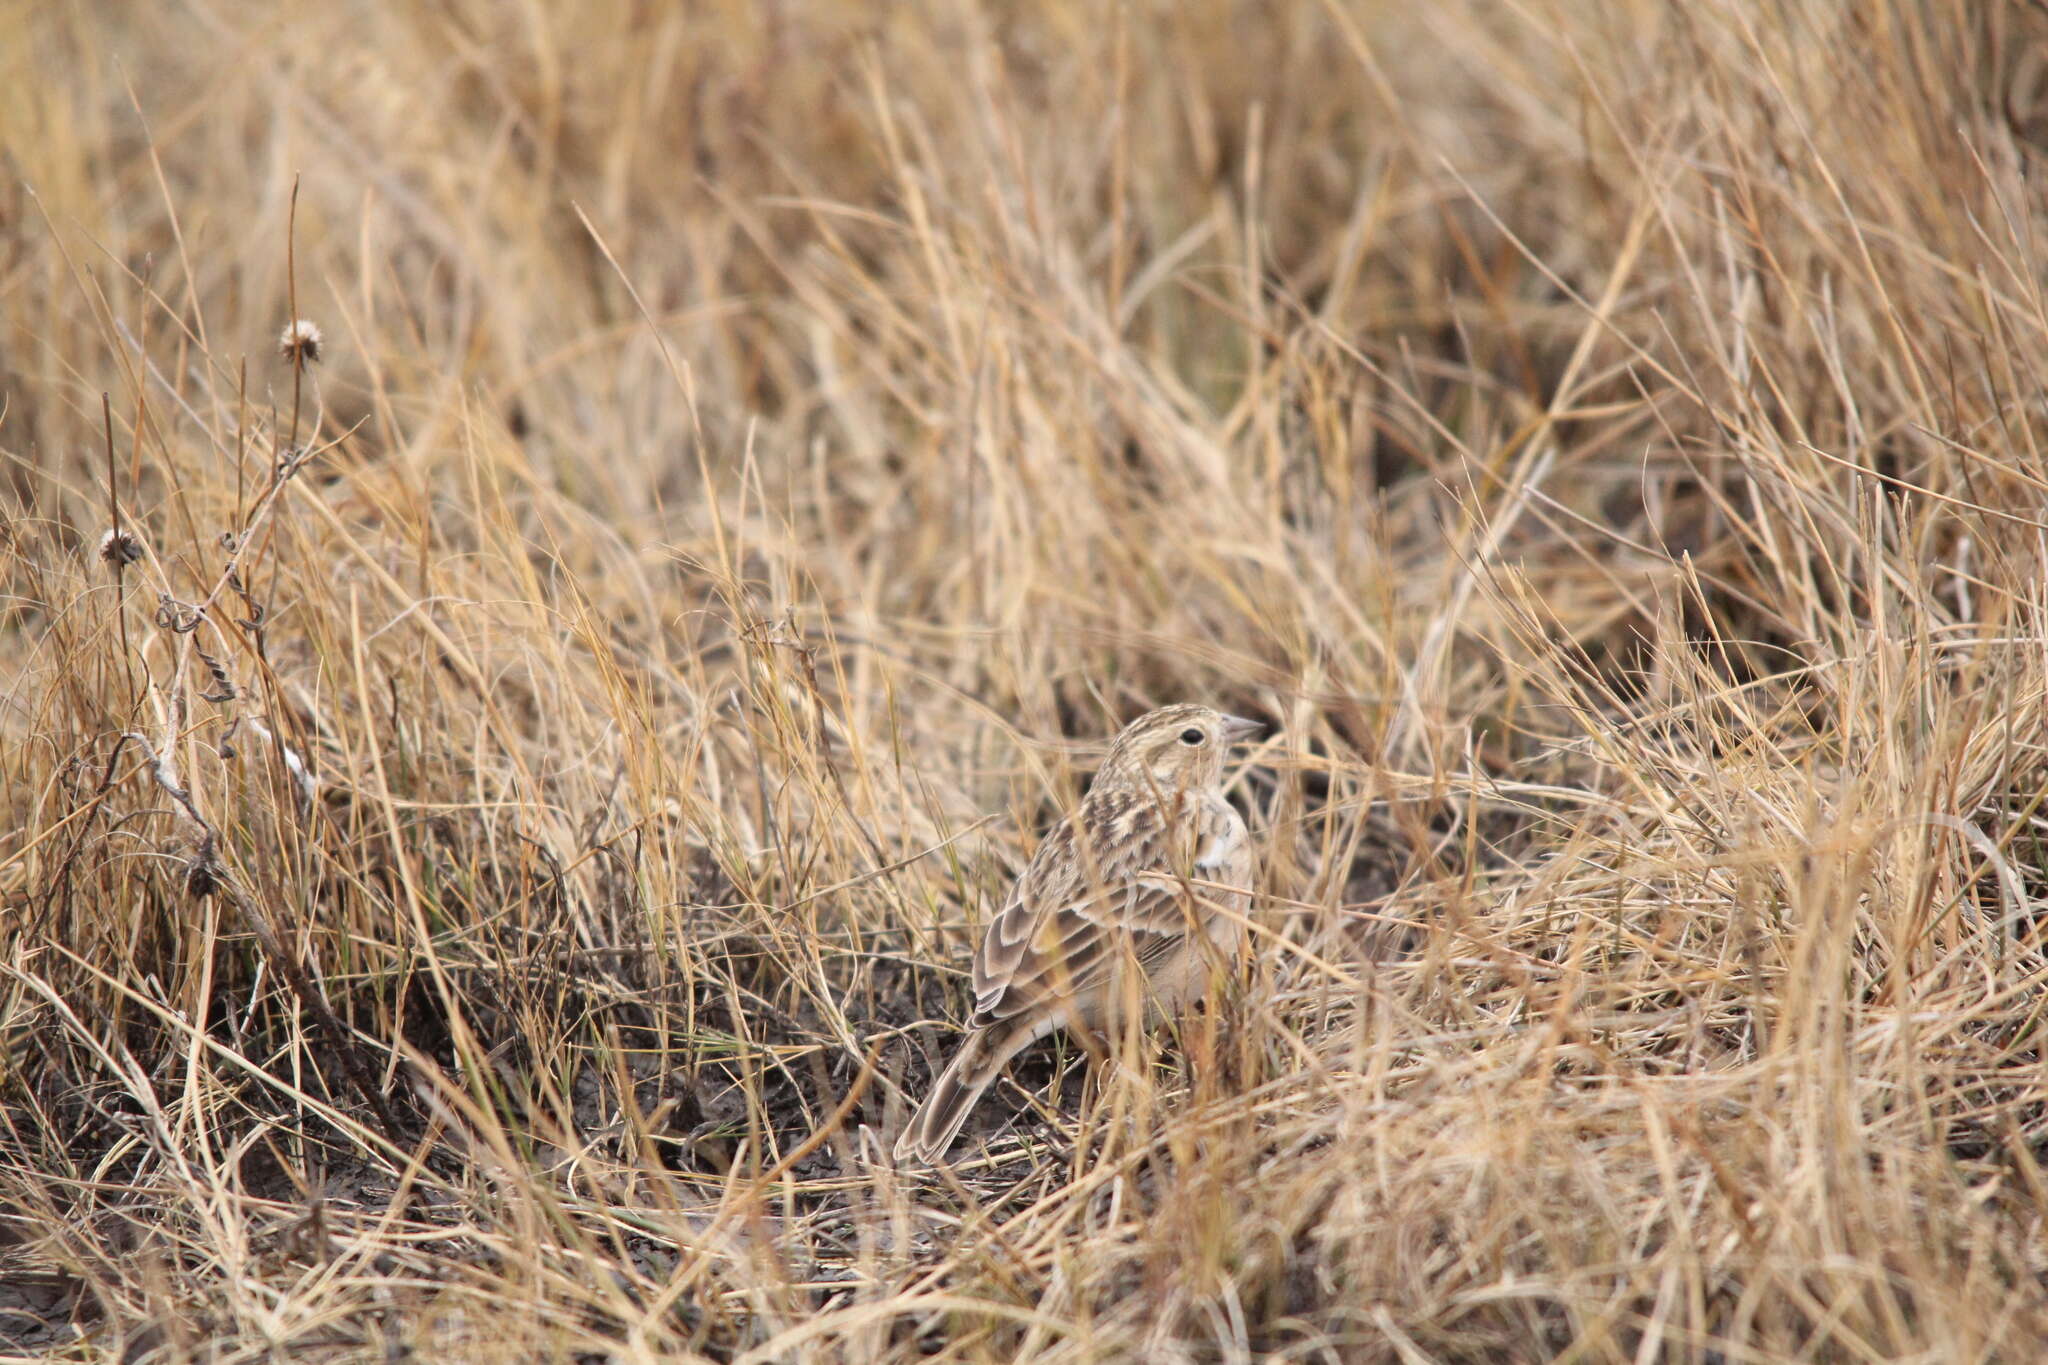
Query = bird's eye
x=1191 y=736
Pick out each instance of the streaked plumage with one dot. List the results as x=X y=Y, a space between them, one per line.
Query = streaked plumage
x=1113 y=909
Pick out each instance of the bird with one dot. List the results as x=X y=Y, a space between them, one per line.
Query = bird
x=1112 y=911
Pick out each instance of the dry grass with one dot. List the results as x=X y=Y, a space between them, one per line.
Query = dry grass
x=483 y=880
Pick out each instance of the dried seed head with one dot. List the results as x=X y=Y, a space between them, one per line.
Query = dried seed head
x=300 y=342
x=120 y=548
x=223 y=689
x=203 y=874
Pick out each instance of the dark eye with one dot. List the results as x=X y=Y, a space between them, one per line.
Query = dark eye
x=1191 y=736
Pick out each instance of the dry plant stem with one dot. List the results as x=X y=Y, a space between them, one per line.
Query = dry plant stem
x=208 y=877
x=291 y=282
x=120 y=561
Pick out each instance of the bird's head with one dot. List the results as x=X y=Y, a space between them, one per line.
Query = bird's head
x=1176 y=748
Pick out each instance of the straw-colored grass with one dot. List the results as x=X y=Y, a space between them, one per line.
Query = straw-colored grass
x=489 y=874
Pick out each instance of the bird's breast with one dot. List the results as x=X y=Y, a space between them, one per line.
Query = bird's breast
x=1223 y=836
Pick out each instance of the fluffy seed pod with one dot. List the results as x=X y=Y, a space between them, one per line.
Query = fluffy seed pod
x=299 y=343
x=120 y=548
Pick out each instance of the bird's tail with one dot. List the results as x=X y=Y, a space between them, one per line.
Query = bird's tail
x=938 y=1120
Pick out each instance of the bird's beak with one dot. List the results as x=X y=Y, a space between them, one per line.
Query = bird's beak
x=1236 y=728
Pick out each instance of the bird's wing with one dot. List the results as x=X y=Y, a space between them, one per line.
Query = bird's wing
x=1078 y=907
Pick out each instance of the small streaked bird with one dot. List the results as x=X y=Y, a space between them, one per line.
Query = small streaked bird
x=1113 y=911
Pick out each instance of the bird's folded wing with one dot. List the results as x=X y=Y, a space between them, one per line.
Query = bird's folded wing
x=1066 y=948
